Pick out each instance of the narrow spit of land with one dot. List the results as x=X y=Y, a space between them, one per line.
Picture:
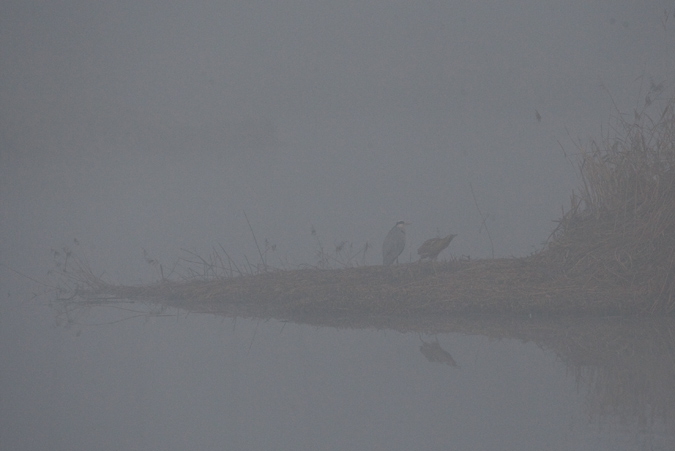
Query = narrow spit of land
x=496 y=286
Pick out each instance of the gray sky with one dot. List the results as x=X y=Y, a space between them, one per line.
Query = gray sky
x=156 y=125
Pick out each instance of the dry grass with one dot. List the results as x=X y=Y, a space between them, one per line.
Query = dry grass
x=620 y=228
x=338 y=296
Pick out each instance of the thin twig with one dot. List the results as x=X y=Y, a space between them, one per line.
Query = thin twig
x=262 y=258
x=483 y=220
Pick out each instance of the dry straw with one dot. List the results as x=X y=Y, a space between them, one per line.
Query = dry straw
x=620 y=228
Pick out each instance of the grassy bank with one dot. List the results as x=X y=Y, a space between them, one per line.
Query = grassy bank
x=613 y=252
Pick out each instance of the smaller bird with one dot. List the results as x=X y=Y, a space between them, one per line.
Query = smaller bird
x=394 y=243
x=434 y=246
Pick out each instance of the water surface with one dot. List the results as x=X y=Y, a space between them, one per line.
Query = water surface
x=197 y=381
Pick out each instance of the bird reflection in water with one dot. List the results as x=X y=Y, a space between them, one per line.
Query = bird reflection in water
x=434 y=353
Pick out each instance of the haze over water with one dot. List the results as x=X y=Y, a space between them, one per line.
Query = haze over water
x=129 y=128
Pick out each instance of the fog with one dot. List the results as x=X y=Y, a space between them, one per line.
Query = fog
x=134 y=129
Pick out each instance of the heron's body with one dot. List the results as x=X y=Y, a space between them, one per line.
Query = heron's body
x=394 y=243
x=434 y=246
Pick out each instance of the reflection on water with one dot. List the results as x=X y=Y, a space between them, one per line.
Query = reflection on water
x=572 y=383
x=435 y=353
x=625 y=366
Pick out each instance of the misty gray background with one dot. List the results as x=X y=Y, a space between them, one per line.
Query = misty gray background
x=156 y=125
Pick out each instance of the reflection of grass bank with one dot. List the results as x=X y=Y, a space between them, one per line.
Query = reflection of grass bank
x=624 y=366
x=613 y=252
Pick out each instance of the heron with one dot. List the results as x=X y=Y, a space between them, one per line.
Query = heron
x=434 y=246
x=394 y=243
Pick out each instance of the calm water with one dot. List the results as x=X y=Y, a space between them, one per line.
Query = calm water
x=197 y=381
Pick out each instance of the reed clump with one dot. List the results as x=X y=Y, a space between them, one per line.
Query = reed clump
x=620 y=228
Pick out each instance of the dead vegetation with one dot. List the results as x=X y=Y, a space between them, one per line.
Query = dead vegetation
x=620 y=228
x=613 y=252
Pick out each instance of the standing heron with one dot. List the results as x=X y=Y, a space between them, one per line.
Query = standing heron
x=393 y=244
x=434 y=246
